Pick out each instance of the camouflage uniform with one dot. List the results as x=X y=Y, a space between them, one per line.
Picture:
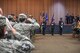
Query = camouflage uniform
x=8 y=46
x=21 y=44
x=8 y=31
x=24 y=28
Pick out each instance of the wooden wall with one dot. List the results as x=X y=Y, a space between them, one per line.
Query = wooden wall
x=35 y=7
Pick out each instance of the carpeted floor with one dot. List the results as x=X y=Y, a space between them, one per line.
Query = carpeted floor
x=56 y=44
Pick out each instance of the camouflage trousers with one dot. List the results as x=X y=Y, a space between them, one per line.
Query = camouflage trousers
x=21 y=44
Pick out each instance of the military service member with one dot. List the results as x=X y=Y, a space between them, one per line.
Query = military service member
x=43 y=26
x=24 y=28
x=52 y=27
x=61 y=24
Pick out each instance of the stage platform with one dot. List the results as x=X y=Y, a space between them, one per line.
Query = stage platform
x=66 y=30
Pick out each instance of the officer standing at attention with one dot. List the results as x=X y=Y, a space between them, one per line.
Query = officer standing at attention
x=52 y=27
x=61 y=23
x=43 y=26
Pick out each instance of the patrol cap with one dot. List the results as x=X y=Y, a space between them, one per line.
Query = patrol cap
x=10 y=16
x=22 y=15
x=30 y=16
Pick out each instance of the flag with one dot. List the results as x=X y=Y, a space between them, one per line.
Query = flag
x=43 y=14
x=46 y=17
x=52 y=19
x=41 y=17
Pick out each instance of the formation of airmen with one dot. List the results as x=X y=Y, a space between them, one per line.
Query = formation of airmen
x=16 y=36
